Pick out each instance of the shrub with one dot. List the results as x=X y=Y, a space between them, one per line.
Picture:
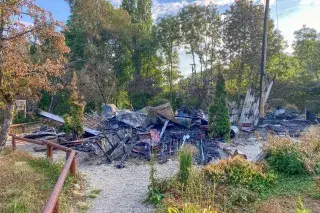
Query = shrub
x=240 y=196
x=192 y=208
x=219 y=121
x=295 y=158
x=288 y=162
x=237 y=170
x=185 y=158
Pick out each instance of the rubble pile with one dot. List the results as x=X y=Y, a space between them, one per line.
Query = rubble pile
x=283 y=121
x=125 y=133
x=117 y=134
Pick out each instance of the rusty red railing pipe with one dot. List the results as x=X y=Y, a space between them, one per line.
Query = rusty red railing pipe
x=58 y=146
x=28 y=140
x=52 y=205
x=53 y=199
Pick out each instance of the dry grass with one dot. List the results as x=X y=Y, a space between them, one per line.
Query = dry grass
x=287 y=205
x=26 y=183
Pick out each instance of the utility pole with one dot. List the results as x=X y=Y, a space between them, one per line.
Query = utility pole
x=263 y=63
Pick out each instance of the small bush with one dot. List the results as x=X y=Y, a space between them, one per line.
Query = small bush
x=192 y=208
x=295 y=158
x=287 y=162
x=240 y=196
x=237 y=170
x=185 y=158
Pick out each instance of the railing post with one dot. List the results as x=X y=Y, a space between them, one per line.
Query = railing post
x=56 y=207
x=73 y=171
x=50 y=152
x=23 y=128
x=14 y=145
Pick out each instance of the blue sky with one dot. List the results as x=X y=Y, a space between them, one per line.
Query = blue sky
x=292 y=15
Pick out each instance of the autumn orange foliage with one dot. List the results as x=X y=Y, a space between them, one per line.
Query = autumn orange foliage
x=30 y=54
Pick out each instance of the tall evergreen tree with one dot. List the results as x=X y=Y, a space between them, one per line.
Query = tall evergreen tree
x=74 y=119
x=219 y=121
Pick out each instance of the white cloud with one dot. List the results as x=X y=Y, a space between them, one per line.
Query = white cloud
x=309 y=2
x=162 y=9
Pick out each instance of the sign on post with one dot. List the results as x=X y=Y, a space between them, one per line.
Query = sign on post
x=21 y=105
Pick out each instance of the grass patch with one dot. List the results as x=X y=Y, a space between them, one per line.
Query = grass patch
x=94 y=193
x=26 y=183
x=292 y=186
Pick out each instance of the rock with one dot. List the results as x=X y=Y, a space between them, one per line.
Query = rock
x=76 y=186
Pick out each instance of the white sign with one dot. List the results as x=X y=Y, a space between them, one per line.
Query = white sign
x=21 y=105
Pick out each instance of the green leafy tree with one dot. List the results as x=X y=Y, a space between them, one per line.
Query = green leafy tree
x=307 y=49
x=242 y=38
x=219 y=121
x=97 y=35
x=169 y=36
x=74 y=119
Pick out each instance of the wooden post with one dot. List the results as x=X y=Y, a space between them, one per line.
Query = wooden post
x=23 y=128
x=14 y=145
x=73 y=171
x=263 y=64
x=50 y=152
x=56 y=207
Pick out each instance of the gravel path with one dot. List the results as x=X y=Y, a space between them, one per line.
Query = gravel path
x=122 y=190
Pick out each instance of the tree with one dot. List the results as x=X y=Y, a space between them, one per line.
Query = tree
x=242 y=38
x=74 y=119
x=140 y=15
x=98 y=35
x=22 y=75
x=190 y=21
x=168 y=36
x=201 y=37
x=307 y=49
x=219 y=121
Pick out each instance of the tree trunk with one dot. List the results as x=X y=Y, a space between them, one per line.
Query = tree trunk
x=6 y=123
x=171 y=75
x=240 y=82
x=53 y=103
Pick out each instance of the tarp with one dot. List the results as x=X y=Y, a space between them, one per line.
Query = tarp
x=134 y=119
x=61 y=120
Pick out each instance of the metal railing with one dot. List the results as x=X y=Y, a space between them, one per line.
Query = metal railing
x=52 y=205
